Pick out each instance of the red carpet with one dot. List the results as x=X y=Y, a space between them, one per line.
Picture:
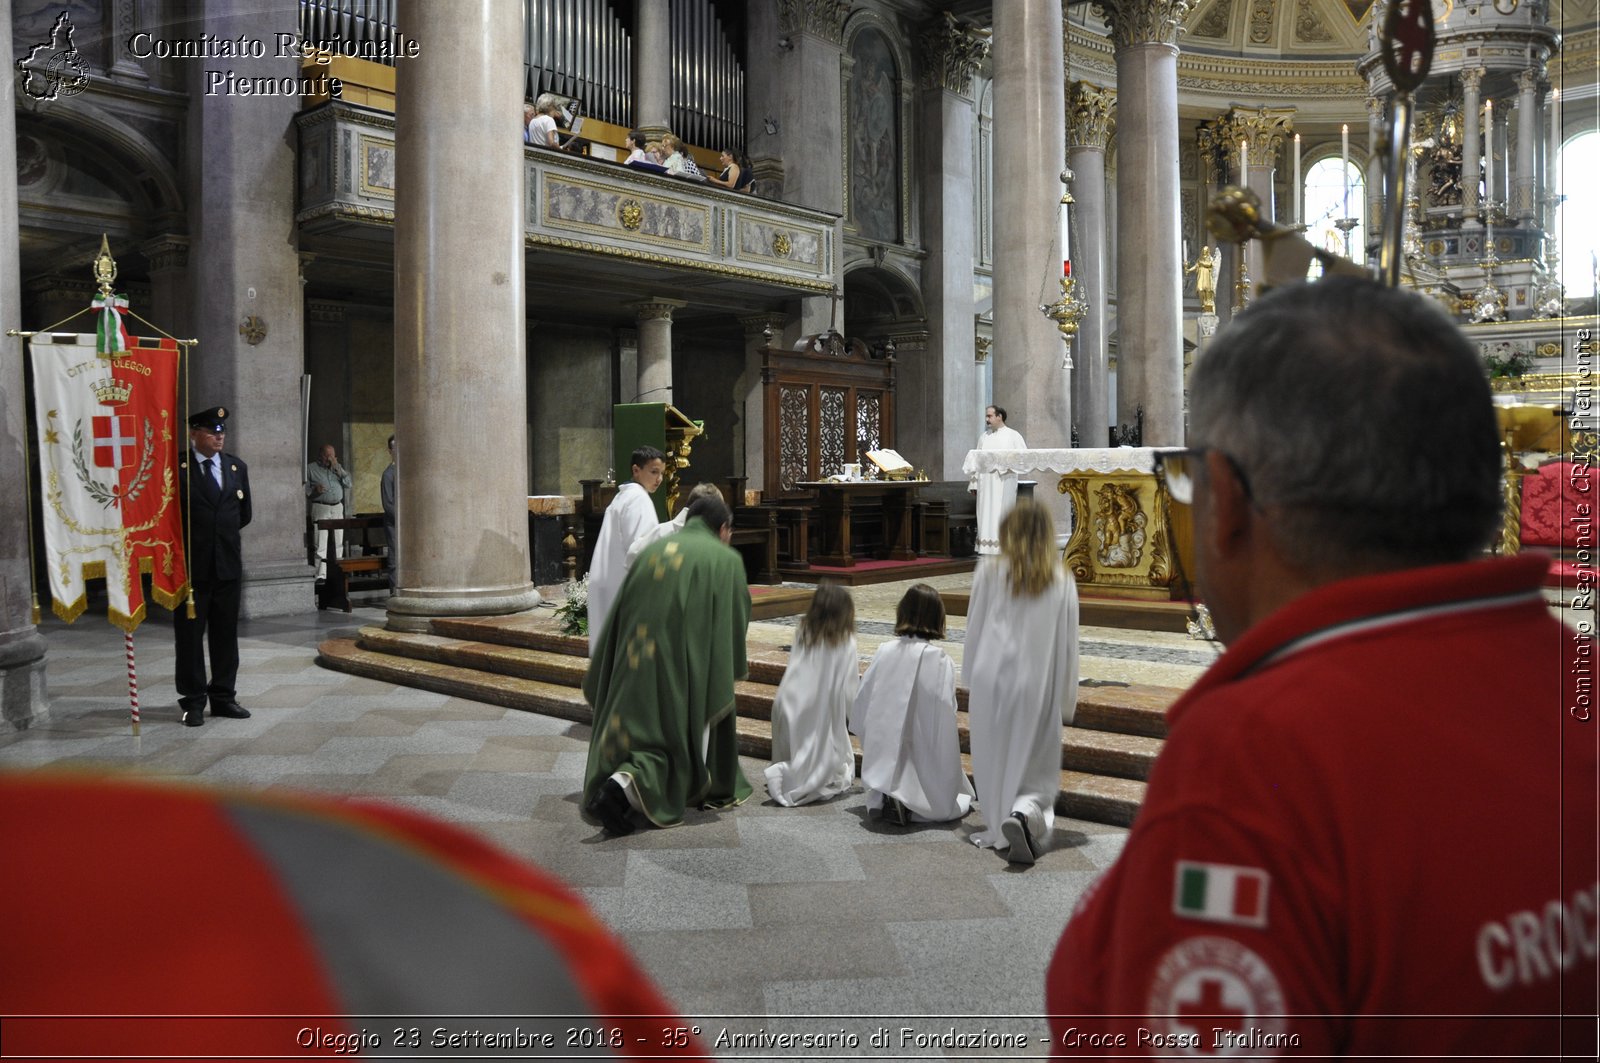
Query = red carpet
x=866 y=571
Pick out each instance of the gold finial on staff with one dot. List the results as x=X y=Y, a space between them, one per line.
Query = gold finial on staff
x=105 y=268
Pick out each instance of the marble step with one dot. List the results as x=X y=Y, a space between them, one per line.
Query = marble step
x=1097 y=798
x=1102 y=752
x=1136 y=709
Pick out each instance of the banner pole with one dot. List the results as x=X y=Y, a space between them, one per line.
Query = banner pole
x=133 y=681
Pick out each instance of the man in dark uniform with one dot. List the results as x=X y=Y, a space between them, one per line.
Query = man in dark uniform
x=216 y=504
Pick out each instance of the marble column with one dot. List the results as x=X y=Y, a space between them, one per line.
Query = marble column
x=652 y=68
x=242 y=221
x=1471 y=147
x=22 y=648
x=1263 y=131
x=655 y=348
x=1150 y=273
x=1030 y=146
x=1524 y=205
x=1377 y=118
x=460 y=316
x=945 y=381
x=749 y=397
x=810 y=133
x=1089 y=125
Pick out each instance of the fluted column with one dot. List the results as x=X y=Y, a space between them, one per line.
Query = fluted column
x=1471 y=147
x=1089 y=125
x=460 y=327
x=655 y=348
x=22 y=648
x=1150 y=270
x=652 y=68
x=945 y=382
x=1030 y=151
x=1524 y=205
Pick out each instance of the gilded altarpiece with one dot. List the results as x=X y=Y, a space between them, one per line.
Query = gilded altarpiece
x=1122 y=540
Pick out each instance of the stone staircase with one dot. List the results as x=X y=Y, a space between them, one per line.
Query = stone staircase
x=525 y=663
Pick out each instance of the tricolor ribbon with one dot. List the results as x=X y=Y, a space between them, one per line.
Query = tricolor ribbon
x=111 y=335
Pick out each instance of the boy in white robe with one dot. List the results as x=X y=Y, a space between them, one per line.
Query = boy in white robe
x=811 y=753
x=1020 y=666
x=905 y=716
x=629 y=516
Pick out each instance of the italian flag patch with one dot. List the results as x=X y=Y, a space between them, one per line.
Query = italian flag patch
x=1221 y=893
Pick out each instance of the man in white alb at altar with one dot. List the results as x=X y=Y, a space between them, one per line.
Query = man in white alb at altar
x=995 y=504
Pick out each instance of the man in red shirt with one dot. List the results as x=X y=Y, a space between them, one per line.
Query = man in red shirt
x=1373 y=827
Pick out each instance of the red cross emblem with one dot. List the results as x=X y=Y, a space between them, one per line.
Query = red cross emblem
x=113 y=442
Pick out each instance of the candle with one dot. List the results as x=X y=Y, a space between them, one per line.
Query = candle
x=1244 y=165
x=1488 y=152
x=1344 y=170
x=1066 y=267
x=1298 y=220
x=1552 y=169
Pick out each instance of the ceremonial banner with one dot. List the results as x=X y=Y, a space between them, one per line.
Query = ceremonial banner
x=107 y=456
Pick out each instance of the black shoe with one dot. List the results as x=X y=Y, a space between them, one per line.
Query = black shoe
x=895 y=809
x=194 y=717
x=610 y=806
x=1021 y=849
x=231 y=709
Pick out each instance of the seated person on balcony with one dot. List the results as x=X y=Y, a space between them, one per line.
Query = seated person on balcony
x=733 y=175
x=679 y=164
x=642 y=155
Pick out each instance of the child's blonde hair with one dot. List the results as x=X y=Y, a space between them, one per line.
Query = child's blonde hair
x=1028 y=543
x=831 y=618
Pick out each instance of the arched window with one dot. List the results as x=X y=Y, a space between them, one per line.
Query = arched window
x=1325 y=203
x=1578 y=217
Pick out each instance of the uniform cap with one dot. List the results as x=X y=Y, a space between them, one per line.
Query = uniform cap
x=212 y=418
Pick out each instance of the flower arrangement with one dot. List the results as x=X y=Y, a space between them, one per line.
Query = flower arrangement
x=574 y=612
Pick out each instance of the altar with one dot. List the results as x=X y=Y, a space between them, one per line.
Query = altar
x=837 y=499
x=1126 y=539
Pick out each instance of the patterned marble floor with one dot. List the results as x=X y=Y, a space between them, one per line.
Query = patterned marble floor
x=800 y=920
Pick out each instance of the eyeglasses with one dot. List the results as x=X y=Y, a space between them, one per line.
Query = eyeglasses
x=1178 y=469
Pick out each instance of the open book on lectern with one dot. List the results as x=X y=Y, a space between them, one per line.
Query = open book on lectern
x=888 y=461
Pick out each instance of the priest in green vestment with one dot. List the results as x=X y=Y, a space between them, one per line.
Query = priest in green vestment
x=661 y=680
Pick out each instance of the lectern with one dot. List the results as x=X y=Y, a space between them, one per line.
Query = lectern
x=659 y=425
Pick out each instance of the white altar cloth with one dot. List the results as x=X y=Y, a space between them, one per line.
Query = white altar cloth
x=990 y=468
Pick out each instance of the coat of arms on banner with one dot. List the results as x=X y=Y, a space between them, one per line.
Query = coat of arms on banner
x=105 y=404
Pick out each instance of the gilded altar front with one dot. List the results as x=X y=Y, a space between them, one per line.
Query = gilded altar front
x=1128 y=540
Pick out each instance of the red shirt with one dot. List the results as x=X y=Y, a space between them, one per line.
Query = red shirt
x=1379 y=803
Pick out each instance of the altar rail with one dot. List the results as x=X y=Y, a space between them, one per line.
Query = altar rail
x=347 y=175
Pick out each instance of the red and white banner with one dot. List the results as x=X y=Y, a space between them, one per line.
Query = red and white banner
x=108 y=445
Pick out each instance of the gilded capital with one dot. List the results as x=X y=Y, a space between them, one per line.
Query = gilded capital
x=818 y=18
x=1143 y=21
x=1089 y=115
x=1264 y=129
x=951 y=50
x=1472 y=79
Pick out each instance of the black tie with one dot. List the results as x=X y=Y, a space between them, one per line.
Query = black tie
x=211 y=481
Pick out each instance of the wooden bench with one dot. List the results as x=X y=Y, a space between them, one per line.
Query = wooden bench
x=368 y=566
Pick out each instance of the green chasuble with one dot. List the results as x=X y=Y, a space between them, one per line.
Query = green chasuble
x=661 y=677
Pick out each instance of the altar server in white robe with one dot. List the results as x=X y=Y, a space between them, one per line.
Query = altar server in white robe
x=630 y=515
x=811 y=754
x=670 y=527
x=1020 y=666
x=905 y=716
x=999 y=493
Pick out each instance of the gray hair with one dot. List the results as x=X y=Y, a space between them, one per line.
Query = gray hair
x=1362 y=418
x=547 y=102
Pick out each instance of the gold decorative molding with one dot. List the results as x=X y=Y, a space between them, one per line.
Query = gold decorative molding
x=820 y=287
x=1134 y=22
x=1089 y=115
x=630 y=214
x=951 y=50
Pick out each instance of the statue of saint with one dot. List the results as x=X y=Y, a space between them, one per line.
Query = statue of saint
x=1204 y=269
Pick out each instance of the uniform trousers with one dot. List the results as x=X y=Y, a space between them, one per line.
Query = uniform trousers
x=216 y=621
